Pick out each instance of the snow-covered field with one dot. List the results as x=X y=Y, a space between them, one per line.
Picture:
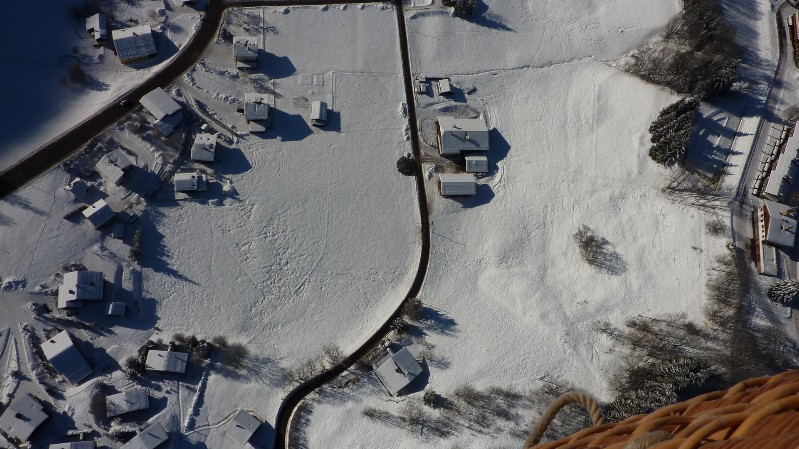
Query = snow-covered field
x=40 y=102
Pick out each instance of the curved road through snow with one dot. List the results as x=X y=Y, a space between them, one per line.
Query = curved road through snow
x=67 y=143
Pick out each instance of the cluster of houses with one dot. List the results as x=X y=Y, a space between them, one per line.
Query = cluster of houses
x=130 y=44
x=468 y=138
x=776 y=181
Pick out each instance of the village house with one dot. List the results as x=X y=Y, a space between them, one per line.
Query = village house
x=242 y=427
x=149 y=438
x=204 y=147
x=78 y=188
x=256 y=112
x=190 y=182
x=22 y=417
x=460 y=184
x=132 y=44
x=97 y=26
x=444 y=87
x=397 y=370
x=61 y=352
x=775 y=228
x=245 y=51
x=113 y=166
x=166 y=111
x=457 y=135
x=167 y=361
x=127 y=402
x=98 y=213
x=79 y=286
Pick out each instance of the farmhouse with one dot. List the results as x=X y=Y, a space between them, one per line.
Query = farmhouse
x=457 y=135
x=65 y=357
x=397 y=370
x=242 y=427
x=22 y=418
x=318 y=113
x=167 y=361
x=134 y=43
x=97 y=26
x=190 y=182
x=113 y=166
x=127 y=401
x=457 y=184
x=167 y=112
x=476 y=164
x=149 y=438
x=256 y=111
x=245 y=51
x=79 y=286
x=74 y=445
x=98 y=213
x=204 y=147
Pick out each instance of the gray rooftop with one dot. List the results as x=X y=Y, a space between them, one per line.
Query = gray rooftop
x=159 y=103
x=168 y=361
x=398 y=370
x=190 y=182
x=459 y=134
x=134 y=43
x=74 y=445
x=256 y=106
x=242 y=427
x=245 y=48
x=65 y=357
x=79 y=286
x=127 y=401
x=22 y=417
x=204 y=147
x=97 y=25
x=149 y=438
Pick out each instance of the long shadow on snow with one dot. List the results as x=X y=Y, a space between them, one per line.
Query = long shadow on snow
x=485 y=19
x=156 y=254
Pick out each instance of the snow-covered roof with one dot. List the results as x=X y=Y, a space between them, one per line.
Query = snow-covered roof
x=318 y=112
x=462 y=134
x=780 y=228
x=116 y=308
x=149 y=438
x=190 y=182
x=134 y=43
x=73 y=445
x=79 y=286
x=457 y=184
x=476 y=164
x=78 y=188
x=245 y=48
x=65 y=357
x=98 y=213
x=398 y=370
x=159 y=103
x=97 y=25
x=444 y=88
x=112 y=166
x=127 y=401
x=22 y=417
x=242 y=427
x=169 y=361
x=204 y=147
x=256 y=106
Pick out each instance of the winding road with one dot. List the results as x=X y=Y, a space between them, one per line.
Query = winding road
x=71 y=141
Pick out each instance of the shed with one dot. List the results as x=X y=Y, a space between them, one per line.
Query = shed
x=134 y=43
x=127 y=402
x=22 y=417
x=245 y=51
x=97 y=26
x=149 y=438
x=73 y=445
x=204 y=147
x=116 y=309
x=256 y=111
x=397 y=370
x=476 y=164
x=167 y=361
x=190 y=182
x=461 y=134
x=318 y=113
x=65 y=357
x=167 y=112
x=457 y=184
x=242 y=427
x=79 y=286
x=444 y=88
x=98 y=213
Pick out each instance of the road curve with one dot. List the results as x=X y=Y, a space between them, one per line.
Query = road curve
x=67 y=143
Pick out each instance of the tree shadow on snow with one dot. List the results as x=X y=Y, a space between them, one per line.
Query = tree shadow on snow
x=156 y=254
x=486 y=19
x=260 y=369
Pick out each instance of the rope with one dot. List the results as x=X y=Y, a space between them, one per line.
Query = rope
x=573 y=397
x=648 y=440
